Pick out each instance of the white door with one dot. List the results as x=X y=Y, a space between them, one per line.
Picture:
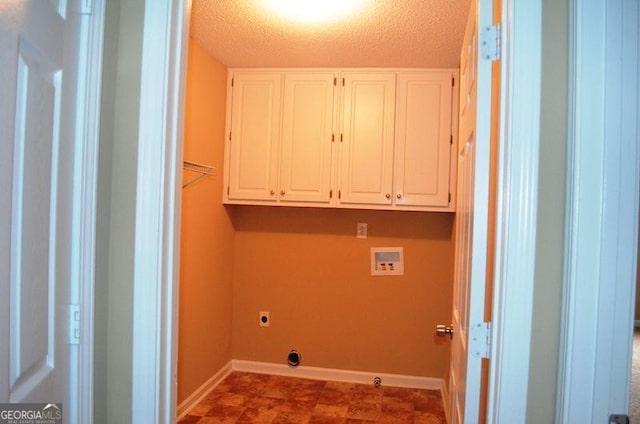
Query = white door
x=471 y=222
x=38 y=58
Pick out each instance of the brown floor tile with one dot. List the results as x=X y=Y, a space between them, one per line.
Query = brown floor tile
x=330 y=396
x=226 y=412
x=189 y=419
x=364 y=412
x=284 y=417
x=255 y=415
x=331 y=409
x=427 y=418
x=320 y=419
x=258 y=398
x=201 y=408
x=390 y=405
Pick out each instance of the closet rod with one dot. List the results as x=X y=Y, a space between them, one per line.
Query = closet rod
x=204 y=170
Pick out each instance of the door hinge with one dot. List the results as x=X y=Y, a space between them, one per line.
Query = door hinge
x=451 y=139
x=229 y=135
x=618 y=419
x=339 y=194
x=340 y=138
x=227 y=190
x=343 y=82
x=74 y=324
x=449 y=197
x=333 y=137
x=335 y=81
x=232 y=81
x=480 y=339
x=490 y=42
x=453 y=81
x=331 y=194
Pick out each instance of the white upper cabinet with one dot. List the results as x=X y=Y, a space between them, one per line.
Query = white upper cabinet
x=348 y=138
x=366 y=156
x=254 y=136
x=423 y=143
x=307 y=129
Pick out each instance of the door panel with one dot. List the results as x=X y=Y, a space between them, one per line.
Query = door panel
x=39 y=42
x=423 y=132
x=255 y=136
x=367 y=140
x=33 y=279
x=306 y=137
x=471 y=222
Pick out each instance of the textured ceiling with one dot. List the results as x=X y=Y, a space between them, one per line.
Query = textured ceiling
x=387 y=33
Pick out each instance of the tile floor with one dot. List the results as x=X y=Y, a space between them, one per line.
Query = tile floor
x=260 y=398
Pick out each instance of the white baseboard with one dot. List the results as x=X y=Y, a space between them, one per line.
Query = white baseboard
x=202 y=391
x=345 y=376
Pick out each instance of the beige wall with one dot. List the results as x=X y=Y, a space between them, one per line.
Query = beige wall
x=551 y=200
x=206 y=263
x=307 y=268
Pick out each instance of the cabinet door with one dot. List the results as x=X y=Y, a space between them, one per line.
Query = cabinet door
x=423 y=139
x=255 y=134
x=305 y=174
x=367 y=139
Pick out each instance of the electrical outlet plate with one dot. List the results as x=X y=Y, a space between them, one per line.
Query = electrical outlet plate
x=263 y=319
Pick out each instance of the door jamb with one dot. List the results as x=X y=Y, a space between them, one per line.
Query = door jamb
x=602 y=211
x=157 y=212
x=157 y=216
x=516 y=211
x=84 y=209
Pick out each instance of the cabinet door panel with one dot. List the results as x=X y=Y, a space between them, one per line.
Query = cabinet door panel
x=423 y=134
x=255 y=132
x=367 y=138
x=306 y=137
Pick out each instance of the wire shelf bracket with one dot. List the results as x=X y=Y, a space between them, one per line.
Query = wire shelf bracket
x=199 y=168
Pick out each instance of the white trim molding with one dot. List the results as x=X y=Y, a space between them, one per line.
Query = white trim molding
x=516 y=211
x=87 y=128
x=157 y=231
x=602 y=211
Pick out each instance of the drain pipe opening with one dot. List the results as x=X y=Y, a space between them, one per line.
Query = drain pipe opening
x=294 y=358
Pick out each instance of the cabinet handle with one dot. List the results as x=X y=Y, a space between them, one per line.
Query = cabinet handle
x=281 y=192
x=399 y=196
x=273 y=192
x=388 y=196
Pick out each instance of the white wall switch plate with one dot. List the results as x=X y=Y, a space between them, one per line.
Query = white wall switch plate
x=361 y=230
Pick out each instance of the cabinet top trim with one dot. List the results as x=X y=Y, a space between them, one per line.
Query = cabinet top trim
x=338 y=70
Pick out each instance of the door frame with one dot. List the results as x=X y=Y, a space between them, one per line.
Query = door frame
x=516 y=210
x=602 y=211
x=85 y=193
x=158 y=210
